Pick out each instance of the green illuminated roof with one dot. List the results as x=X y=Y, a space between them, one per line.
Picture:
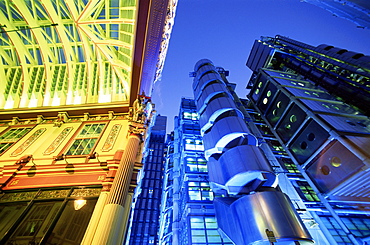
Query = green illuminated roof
x=65 y=52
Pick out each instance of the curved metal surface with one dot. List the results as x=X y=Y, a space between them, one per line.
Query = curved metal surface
x=206 y=79
x=209 y=90
x=262 y=211
x=239 y=167
x=214 y=109
x=226 y=133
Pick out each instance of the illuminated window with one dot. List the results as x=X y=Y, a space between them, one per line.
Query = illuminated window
x=11 y=136
x=308 y=192
x=200 y=191
x=50 y=216
x=196 y=164
x=190 y=115
x=199 y=145
x=189 y=144
x=85 y=141
x=291 y=167
x=358 y=225
x=204 y=231
x=194 y=144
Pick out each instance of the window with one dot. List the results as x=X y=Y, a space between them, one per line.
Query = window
x=11 y=136
x=290 y=166
x=191 y=128
x=46 y=216
x=190 y=115
x=200 y=191
x=189 y=144
x=307 y=191
x=194 y=144
x=84 y=143
x=358 y=226
x=204 y=231
x=199 y=145
x=196 y=164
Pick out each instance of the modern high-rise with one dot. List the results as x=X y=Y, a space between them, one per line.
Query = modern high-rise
x=314 y=101
x=289 y=164
x=356 y=11
x=76 y=81
x=187 y=211
x=144 y=224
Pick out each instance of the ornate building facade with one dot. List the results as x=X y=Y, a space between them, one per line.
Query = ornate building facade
x=75 y=107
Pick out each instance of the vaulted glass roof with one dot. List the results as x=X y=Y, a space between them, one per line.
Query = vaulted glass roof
x=65 y=52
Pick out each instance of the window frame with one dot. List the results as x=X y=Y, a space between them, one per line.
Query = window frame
x=57 y=199
x=68 y=146
x=196 y=164
x=30 y=127
x=200 y=189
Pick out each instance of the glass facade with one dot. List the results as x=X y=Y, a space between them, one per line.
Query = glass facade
x=46 y=216
x=70 y=41
x=144 y=223
x=187 y=195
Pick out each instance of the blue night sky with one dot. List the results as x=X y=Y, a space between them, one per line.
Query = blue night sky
x=224 y=31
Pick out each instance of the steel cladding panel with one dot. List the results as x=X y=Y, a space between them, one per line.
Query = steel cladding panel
x=259 y=55
x=294 y=83
x=208 y=93
x=202 y=62
x=313 y=94
x=308 y=140
x=258 y=87
x=277 y=108
x=216 y=106
x=239 y=166
x=266 y=97
x=348 y=125
x=261 y=212
x=334 y=107
x=291 y=122
x=334 y=165
x=203 y=81
x=225 y=130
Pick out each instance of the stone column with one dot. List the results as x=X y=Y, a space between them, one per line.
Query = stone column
x=95 y=218
x=111 y=227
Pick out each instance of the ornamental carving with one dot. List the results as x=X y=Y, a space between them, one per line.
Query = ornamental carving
x=20 y=196
x=28 y=142
x=88 y=192
x=56 y=143
x=53 y=194
x=113 y=134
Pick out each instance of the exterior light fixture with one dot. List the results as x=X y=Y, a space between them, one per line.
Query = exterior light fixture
x=59 y=157
x=92 y=156
x=79 y=203
x=23 y=160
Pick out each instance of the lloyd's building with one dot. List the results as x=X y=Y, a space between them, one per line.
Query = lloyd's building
x=76 y=79
x=290 y=163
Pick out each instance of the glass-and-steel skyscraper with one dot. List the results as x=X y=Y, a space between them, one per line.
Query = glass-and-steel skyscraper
x=144 y=223
x=286 y=165
x=187 y=212
x=314 y=100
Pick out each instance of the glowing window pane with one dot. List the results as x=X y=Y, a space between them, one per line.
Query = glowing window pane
x=86 y=140
x=11 y=136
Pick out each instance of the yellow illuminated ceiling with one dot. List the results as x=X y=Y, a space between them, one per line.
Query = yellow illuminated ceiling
x=65 y=52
